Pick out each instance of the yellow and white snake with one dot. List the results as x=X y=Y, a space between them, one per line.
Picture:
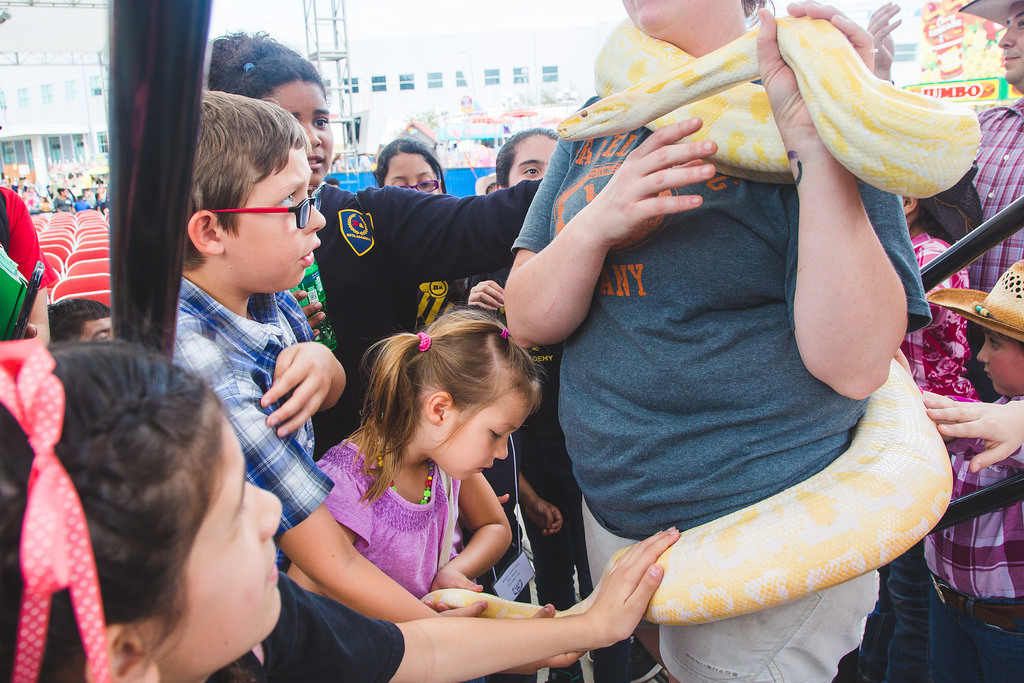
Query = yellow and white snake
x=868 y=507
x=898 y=141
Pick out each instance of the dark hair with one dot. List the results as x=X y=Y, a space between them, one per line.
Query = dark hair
x=255 y=65
x=407 y=146
x=507 y=153
x=68 y=315
x=470 y=356
x=331 y=180
x=139 y=441
x=751 y=6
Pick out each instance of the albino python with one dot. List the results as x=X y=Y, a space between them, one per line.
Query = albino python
x=898 y=141
x=893 y=483
x=868 y=507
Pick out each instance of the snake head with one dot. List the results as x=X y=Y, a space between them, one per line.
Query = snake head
x=599 y=119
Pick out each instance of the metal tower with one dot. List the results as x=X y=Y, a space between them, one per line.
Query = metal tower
x=327 y=47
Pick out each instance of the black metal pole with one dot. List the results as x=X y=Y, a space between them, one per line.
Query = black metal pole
x=157 y=62
x=970 y=248
x=992 y=497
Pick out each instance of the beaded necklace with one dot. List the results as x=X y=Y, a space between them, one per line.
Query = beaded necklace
x=427 y=488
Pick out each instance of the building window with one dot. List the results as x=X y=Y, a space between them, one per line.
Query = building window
x=460 y=80
x=905 y=52
x=521 y=74
x=492 y=77
x=351 y=85
x=7 y=151
x=47 y=91
x=406 y=82
x=379 y=83
x=79 y=143
x=95 y=86
x=22 y=97
x=53 y=144
x=435 y=79
x=549 y=74
x=70 y=91
x=101 y=142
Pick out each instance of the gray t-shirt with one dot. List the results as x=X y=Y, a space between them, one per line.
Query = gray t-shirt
x=683 y=395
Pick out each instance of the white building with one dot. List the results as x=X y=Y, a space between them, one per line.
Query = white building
x=53 y=99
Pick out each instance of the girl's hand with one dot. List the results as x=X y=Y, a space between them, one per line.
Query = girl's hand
x=1000 y=425
x=313 y=313
x=626 y=589
x=452 y=578
x=307 y=370
x=487 y=294
x=544 y=514
x=642 y=187
x=474 y=610
x=788 y=108
x=881 y=26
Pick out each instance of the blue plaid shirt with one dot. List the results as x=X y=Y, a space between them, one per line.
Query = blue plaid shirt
x=236 y=357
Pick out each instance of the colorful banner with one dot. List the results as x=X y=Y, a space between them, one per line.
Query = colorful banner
x=958 y=47
x=978 y=91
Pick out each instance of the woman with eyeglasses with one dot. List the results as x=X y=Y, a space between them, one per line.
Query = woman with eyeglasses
x=379 y=243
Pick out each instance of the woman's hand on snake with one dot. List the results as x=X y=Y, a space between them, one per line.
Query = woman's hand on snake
x=788 y=107
x=1000 y=425
x=642 y=187
x=627 y=586
x=881 y=26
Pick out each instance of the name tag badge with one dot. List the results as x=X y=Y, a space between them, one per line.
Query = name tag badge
x=514 y=579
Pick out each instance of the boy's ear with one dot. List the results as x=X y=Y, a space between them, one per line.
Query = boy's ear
x=130 y=660
x=206 y=233
x=438 y=407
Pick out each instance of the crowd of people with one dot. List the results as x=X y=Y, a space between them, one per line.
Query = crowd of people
x=611 y=336
x=71 y=199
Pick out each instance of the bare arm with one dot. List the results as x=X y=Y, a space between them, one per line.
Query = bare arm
x=437 y=652
x=39 y=317
x=319 y=547
x=548 y=294
x=1001 y=425
x=482 y=514
x=850 y=308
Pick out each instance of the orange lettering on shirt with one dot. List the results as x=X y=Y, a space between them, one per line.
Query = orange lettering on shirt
x=605 y=283
x=586 y=154
x=621 y=281
x=636 y=270
x=720 y=182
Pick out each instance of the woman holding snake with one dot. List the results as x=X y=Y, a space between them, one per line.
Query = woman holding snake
x=721 y=334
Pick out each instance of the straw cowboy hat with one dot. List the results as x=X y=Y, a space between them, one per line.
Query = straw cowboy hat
x=482 y=184
x=1002 y=310
x=993 y=10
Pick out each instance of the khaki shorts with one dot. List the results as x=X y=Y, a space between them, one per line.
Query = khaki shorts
x=798 y=642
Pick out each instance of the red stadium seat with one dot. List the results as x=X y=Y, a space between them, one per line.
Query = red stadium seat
x=89 y=267
x=103 y=296
x=86 y=254
x=74 y=286
x=56 y=263
x=59 y=250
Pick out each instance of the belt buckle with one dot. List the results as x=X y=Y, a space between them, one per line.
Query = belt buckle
x=938 y=589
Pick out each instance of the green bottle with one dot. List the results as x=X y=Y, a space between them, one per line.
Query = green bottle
x=314 y=289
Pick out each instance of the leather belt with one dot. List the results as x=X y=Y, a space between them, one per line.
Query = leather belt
x=992 y=613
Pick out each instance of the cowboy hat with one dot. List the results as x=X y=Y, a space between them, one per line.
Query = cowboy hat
x=482 y=184
x=956 y=210
x=1001 y=310
x=993 y=10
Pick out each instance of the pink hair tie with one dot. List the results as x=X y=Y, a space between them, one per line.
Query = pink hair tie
x=504 y=333
x=424 y=341
x=55 y=551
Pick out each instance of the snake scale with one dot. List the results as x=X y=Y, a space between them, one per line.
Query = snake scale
x=898 y=141
x=893 y=483
x=866 y=508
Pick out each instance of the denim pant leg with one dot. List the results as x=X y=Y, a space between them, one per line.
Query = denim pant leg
x=910 y=589
x=967 y=650
x=873 y=658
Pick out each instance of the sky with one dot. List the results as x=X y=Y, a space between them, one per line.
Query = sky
x=397 y=18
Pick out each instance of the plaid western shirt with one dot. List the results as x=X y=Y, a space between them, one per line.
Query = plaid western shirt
x=236 y=357
x=982 y=557
x=1000 y=181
